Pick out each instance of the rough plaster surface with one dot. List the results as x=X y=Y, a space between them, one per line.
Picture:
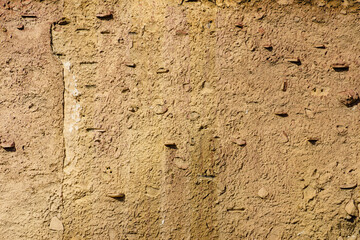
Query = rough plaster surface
x=215 y=120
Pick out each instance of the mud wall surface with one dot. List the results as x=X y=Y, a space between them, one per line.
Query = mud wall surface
x=164 y=119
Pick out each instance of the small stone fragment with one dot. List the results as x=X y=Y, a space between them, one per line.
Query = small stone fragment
x=322 y=46
x=348 y=186
x=351 y=209
x=20 y=26
x=160 y=109
x=239 y=142
x=152 y=191
x=340 y=66
x=125 y=90
x=116 y=195
x=349 y=98
x=284 y=86
x=180 y=163
x=106 y=15
x=7 y=145
x=281 y=113
x=309 y=193
x=268 y=46
x=239 y=25
x=130 y=64
x=263 y=193
x=63 y=21
x=295 y=60
x=56 y=224
x=162 y=70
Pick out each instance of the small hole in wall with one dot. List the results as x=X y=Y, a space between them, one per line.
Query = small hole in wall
x=312 y=141
x=10 y=149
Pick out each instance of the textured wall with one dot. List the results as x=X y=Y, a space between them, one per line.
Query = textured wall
x=216 y=120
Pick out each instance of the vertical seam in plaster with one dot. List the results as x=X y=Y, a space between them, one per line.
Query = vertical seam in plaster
x=63 y=117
